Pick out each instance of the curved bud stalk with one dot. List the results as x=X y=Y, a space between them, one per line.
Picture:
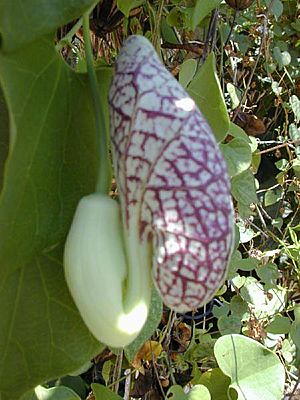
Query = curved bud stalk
x=172 y=179
x=96 y=272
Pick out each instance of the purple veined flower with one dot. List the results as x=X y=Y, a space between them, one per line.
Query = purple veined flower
x=172 y=178
x=175 y=217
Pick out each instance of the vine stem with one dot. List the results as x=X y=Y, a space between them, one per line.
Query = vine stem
x=104 y=176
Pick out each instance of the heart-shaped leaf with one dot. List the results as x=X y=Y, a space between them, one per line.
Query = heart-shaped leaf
x=256 y=372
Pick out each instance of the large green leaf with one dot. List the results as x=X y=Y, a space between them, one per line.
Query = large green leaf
x=41 y=332
x=52 y=163
x=256 y=372
x=55 y=393
x=205 y=89
x=22 y=22
x=4 y=136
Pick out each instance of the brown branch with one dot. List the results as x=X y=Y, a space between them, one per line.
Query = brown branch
x=183 y=46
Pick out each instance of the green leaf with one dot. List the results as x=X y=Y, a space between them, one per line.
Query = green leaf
x=239 y=307
x=230 y=324
x=41 y=330
x=176 y=393
x=199 y=392
x=295 y=330
x=53 y=163
x=4 y=136
x=276 y=7
x=55 y=393
x=202 y=9
x=35 y=18
x=279 y=325
x=256 y=372
x=269 y=274
x=238 y=156
x=103 y=393
x=187 y=71
x=243 y=188
x=219 y=311
x=295 y=103
x=294 y=132
x=154 y=317
x=237 y=132
x=234 y=95
x=167 y=32
x=246 y=233
x=216 y=382
x=248 y=264
x=283 y=58
x=273 y=196
x=205 y=89
x=127 y=5
x=54 y=160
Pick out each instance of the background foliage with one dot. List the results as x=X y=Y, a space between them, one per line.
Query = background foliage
x=241 y=66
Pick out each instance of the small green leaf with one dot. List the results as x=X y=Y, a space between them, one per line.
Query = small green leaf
x=275 y=7
x=276 y=88
x=202 y=9
x=273 y=196
x=279 y=325
x=234 y=95
x=296 y=167
x=282 y=164
x=176 y=393
x=295 y=103
x=243 y=188
x=187 y=71
x=103 y=393
x=230 y=324
x=175 y=17
x=237 y=132
x=248 y=264
x=205 y=89
x=295 y=330
x=246 y=233
x=239 y=307
x=238 y=156
x=283 y=58
x=219 y=311
x=127 y=5
x=167 y=32
x=256 y=372
x=294 y=133
x=216 y=382
x=268 y=274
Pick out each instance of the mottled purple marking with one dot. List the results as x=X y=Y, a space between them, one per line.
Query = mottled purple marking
x=172 y=178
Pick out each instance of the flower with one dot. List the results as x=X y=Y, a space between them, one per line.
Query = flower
x=175 y=216
x=172 y=178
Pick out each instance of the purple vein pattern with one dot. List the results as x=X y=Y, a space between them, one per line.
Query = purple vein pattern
x=172 y=178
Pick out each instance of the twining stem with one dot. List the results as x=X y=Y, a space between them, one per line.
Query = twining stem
x=104 y=177
x=69 y=35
